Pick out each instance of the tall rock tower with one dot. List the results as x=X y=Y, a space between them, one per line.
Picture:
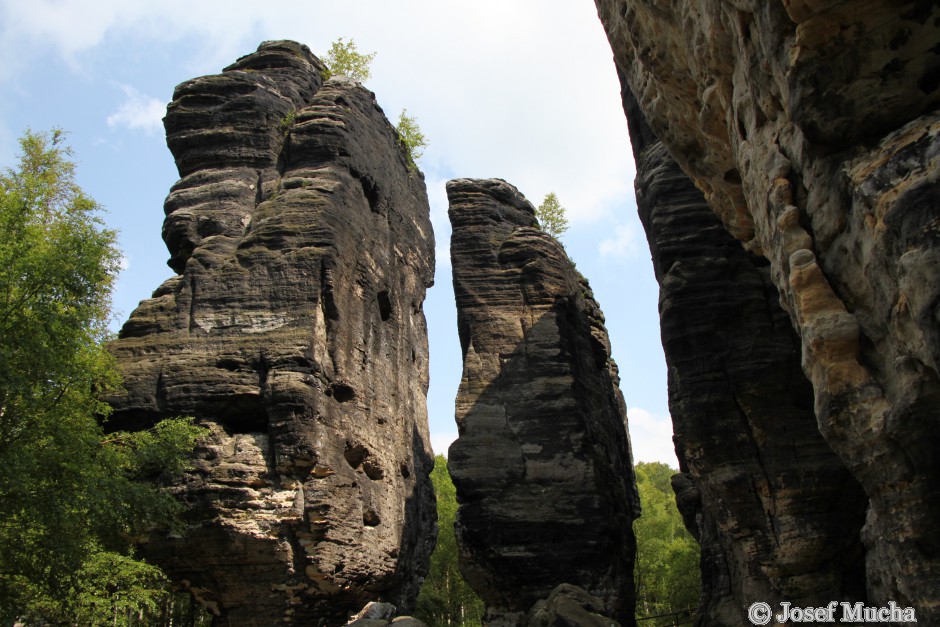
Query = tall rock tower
x=294 y=331
x=813 y=131
x=543 y=466
x=776 y=512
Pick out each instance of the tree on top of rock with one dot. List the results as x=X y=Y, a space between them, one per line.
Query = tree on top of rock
x=411 y=137
x=346 y=60
x=551 y=216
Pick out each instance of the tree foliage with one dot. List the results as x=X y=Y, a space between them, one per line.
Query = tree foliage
x=345 y=59
x=71 y=496
x=551 y=216
x=411 y=137
x=666 y=576
x=445 y=597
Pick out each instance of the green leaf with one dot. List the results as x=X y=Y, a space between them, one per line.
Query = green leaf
x=411 y=138
x=346 y=60
x=551 y=216
x=666 y=573
x=446 y=599
x=70 y=496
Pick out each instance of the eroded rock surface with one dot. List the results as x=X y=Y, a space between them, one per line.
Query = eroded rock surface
x=295 y=332
x=569 y=605
x=542 y=467
x=812 y=129
x=776 y=512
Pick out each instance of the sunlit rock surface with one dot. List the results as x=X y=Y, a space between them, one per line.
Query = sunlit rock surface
x=294 y=330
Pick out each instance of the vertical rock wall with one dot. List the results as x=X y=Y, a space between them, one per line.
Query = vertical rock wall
x=294 y=331
x=777 y=514
x=812 y=129
x=542 y=467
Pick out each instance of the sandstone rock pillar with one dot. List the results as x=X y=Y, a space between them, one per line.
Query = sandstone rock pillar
x=543 y=466
x=813 y=130
x=775 y=510
x=294 y=331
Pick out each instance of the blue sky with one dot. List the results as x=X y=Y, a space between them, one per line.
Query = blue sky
x=523 y=90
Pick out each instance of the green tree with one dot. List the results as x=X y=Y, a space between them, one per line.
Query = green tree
x=411 y=137
x=71 y=495
x=445 y=597
x=551 y=216
x=345 y=59
x=666 y=575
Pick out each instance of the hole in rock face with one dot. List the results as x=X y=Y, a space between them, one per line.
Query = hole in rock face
x=385 y=305
x=341 y=392
x=355 y=455
x=370 y=518
x=373 y=470
x=405 y=471
x=929 y=81
x=232 y=365
x=371 y=191
x=244 y=413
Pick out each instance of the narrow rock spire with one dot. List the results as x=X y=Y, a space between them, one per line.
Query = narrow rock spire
x=543 y=466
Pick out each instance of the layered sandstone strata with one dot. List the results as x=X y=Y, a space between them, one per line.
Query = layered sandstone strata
x=542 y=466
x=812 y=129
x=294 y=331
x=776 y=512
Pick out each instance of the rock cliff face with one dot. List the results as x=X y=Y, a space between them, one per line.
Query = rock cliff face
x=777 y=514
x=542 y=467
x=294 y=331
x=812 y=129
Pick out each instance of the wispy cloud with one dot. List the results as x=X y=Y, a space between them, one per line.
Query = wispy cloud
x=651 y=436
x=624 y=244
x=138 y=112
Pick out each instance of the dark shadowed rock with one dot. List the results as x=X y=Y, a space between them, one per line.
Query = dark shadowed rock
x=542 y=466
x=813 y=130
x=776 y=512
x=294 y=331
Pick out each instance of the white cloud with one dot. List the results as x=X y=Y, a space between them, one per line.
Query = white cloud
x=441 y=441
x=651 y=436
x=524 y=91
x=138 y=112
x=625 y=243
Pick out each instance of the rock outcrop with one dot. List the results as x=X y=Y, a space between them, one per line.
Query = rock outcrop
x=813 y=130
x=294 y=331
x=569 y=605
x=543 y=466
x=776 y=513
x=382 y=615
